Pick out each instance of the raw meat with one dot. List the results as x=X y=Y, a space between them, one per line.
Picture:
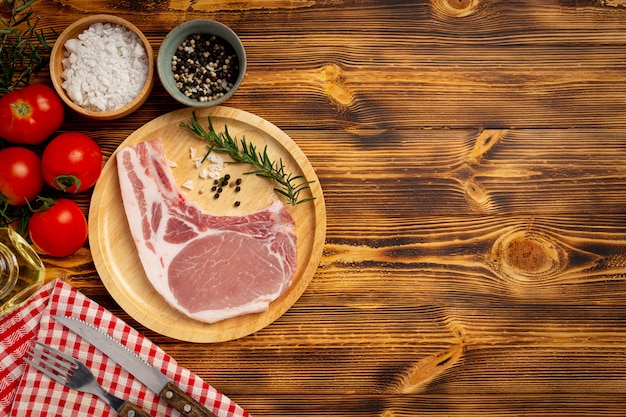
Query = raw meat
x=209 y=267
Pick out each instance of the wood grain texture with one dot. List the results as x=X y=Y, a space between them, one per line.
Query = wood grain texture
x=471 y=154
x=504 y=64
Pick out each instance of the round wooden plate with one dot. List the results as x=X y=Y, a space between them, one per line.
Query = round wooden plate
x=113 y=249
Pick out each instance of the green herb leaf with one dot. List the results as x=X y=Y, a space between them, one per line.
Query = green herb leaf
x=23 y=48
x=245 y=153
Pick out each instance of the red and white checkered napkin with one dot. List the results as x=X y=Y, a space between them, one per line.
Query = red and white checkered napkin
x=25 y=391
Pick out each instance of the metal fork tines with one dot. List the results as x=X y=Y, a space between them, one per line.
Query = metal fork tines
x=72 y=373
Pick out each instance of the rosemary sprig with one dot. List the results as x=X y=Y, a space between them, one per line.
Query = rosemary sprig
x=23 y=48
x=245 y=152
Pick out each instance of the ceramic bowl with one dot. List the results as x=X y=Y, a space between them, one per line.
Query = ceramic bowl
x=171 y=44
x=58 y=54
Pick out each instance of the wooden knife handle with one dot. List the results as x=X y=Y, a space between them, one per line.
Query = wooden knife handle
x=129 y=409
x=182 y=402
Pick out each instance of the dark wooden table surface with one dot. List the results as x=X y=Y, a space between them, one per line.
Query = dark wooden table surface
x=471 y=154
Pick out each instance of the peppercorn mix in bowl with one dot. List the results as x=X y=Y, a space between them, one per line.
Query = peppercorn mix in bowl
x=201 y=63
x=94 y=75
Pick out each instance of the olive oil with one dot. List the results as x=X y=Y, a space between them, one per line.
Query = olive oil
x=21 y=271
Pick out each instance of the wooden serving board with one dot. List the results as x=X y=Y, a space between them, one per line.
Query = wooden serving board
x=113 y=249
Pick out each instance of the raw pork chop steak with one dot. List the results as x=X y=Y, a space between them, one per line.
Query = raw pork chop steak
x=209 y=267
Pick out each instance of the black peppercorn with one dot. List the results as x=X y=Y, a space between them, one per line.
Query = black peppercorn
x=195 y=63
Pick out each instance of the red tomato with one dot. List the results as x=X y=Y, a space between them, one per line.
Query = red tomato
x=30 y=115
x=20 y=175
x=59 y=230
x=72 y=162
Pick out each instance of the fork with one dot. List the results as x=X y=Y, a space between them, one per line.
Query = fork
x=72 y=373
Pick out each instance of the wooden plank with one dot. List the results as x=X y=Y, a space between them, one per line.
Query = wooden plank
x=408 y=173
x=471 y=155
x=449 y=70
x=383 y=312
x=402 y=173
x=443 y=319
x=569 y=356
x=453 y=405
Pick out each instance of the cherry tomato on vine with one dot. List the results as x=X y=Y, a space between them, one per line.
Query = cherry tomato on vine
x=21 y=179
x=59 y=230
x=72 y=162
x=30 y=115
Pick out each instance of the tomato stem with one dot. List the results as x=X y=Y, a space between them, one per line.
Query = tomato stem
x=46 y=204
x=21 y=109
x=66 y=181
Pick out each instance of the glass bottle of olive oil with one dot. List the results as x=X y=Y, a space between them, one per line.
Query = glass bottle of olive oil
x=21 y=271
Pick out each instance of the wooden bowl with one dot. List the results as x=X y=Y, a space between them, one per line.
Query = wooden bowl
x=58 y=54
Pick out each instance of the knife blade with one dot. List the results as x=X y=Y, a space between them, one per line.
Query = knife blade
x=148 y=375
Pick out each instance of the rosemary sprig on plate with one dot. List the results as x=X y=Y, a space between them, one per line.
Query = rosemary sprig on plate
x=23 y=47
x=290 y=186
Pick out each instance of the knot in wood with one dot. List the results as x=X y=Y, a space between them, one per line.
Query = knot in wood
x=529 y=256
x=332 y=78
x=477 y=197
x=486 y=140
x=421 y=374
x=460 y=4
x=454 y=8
x=526 y=254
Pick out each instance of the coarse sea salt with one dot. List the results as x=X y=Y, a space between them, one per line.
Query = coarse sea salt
x=212 y=171
x=105 y=68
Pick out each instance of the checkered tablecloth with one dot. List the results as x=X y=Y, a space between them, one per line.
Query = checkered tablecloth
x=25 y=391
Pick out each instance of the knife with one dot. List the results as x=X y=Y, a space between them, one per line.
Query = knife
x=140 y=369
